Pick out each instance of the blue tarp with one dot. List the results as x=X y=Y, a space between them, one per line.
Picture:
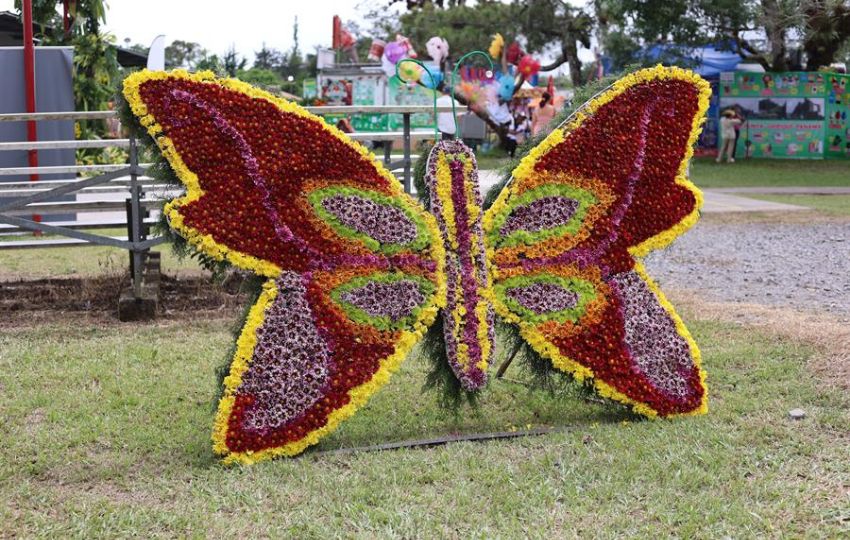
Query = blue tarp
x=708 y=61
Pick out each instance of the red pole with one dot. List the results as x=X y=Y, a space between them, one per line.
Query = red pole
x=66 y=18
x=29 y=81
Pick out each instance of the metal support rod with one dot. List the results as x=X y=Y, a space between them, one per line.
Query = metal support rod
x=64 y=231
x=135 y=219
x=62 y=190
x=507 y=362
x=407 y=161
x=388 y=148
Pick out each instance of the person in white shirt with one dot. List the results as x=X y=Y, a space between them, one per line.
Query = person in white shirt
x=517 y=133
x=445 y=120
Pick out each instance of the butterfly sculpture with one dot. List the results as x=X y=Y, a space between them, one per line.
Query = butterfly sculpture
x=357 y=270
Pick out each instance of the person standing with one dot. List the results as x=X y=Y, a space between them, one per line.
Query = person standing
x=517 y=133
x=728 y=121
x=544 y=114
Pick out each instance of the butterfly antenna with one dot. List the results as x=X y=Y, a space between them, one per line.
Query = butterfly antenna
x=433 y=84
x=454 y=72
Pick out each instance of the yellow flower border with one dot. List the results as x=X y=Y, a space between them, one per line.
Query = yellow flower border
x=358 y=396
x=443 y=186
x=205 y=243
x=525 y=170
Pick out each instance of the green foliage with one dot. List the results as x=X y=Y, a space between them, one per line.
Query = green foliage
x=184 y=54
x=232 y=62
x=420 y=168
x=819 y=29
x=95 y=57
x=440 y=378
x=259 y=77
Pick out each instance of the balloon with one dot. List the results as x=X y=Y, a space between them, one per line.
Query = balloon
x=514 y=53
x=438 y=49
x=394 y=52
x=409 y=72
x=436 y=74
x=528 y=66
x=496 y=46
x=506 y=87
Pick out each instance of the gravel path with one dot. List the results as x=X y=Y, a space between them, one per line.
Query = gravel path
x=793 y=265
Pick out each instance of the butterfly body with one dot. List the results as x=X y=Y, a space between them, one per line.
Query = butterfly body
x=357 y=271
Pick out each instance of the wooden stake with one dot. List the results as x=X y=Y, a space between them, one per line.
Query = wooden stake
x=506 y=363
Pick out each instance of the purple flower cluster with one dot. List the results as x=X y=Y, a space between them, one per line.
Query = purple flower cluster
x=543 y=213
x=586 y=256
x=395 y=299
x=660 y=352
x=289 y=369
x=466 y=274
x=541 y=297
x=383 y=222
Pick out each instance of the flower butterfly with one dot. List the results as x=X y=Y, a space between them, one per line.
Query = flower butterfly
x=357 y=271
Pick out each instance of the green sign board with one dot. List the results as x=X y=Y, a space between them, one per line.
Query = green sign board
x=837 y=113
x=789 y=115
x=400 y=93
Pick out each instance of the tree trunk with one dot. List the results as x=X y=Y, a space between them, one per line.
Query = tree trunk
x=775 y=28
x=571 y=54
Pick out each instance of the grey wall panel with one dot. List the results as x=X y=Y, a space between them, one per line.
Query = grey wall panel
x=54 y=91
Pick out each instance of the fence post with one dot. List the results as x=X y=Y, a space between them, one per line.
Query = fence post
x=407 y=160
x=135 y=219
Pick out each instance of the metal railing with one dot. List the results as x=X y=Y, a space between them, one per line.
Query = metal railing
x=20 y=201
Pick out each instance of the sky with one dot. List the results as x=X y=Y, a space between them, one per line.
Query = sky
x=247 y=24
x=218 y=24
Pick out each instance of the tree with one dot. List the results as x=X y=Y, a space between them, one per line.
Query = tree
x=827 y=30
x=270 y=59
x=779 y=35
x=557 y=24
x=259 y=77
x=95 y=56
x=184 y=54
x=232 y=62
x=294 y=60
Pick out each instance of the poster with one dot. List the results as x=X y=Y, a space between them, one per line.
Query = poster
x=837 y=112
x=309 y=89
x=750 y=84
x=365 y=91
x=789 y=115
x=792 y=139
x=400 y=93
x=336 y=91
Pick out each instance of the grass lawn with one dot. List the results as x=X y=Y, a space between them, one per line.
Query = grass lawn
x=80 y=261
x=769 y=172
x=836 y=205
x=106 y=433
x=743 y=173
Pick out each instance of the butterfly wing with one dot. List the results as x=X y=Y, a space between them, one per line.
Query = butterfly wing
x=563 y=236
x=355 y=265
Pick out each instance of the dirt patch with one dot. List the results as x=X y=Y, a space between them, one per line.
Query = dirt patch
x=829 y=334
x=95 y=299
x=34 y=420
